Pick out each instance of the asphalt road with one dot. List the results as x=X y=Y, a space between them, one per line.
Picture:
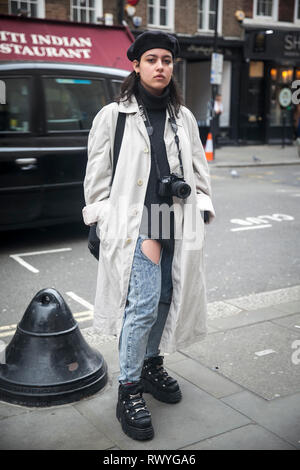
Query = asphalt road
x=252 y=246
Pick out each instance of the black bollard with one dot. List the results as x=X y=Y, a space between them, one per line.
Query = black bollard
x=48 y=362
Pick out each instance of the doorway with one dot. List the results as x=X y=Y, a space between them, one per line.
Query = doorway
x=253 y=96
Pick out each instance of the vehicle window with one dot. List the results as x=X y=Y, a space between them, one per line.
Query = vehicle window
x=116 y=84
x=72 y=103
x=14 y=114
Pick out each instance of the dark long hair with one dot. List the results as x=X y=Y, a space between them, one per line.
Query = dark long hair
x=129 y=88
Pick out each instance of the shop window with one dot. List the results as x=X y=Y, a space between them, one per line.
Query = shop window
x=72 y=103
x=161 y=13
x=30 y=8
x=14 y=114
x=207 y=14
x=256 y=69
x=86 y=11
x=259 y=44
x=281 y=77
x=265 y=9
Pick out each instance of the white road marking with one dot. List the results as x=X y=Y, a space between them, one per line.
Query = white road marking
x=250 y=228
x=265 y=352
x=23 y=263
x=18 y=257
x=260 y=221
x=80 y=300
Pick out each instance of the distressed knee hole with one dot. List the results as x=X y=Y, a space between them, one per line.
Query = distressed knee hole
x=151 y=249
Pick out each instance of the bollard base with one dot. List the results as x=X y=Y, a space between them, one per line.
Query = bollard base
x=37 y=396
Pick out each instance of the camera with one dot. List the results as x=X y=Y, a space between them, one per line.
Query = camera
x=173 y=185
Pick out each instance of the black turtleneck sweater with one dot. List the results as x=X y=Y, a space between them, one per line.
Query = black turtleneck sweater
x=157 y=227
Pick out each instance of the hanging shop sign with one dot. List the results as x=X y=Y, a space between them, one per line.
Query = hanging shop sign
x=271 y=44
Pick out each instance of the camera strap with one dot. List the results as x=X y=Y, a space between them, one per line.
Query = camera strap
x=150 y=131
x=174 y=126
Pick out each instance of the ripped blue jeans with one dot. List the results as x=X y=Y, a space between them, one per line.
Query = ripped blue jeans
x=148 y=302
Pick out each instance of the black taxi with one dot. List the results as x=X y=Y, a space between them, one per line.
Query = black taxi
x=46 y=112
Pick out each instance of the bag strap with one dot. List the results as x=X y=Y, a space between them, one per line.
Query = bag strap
x=118 y=141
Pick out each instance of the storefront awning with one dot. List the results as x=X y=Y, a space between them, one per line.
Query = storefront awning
x=60 y=41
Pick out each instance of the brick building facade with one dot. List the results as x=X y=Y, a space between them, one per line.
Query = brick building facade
x=259 y=40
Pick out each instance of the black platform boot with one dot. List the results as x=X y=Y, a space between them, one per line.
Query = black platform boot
x=132 y=412
x=157 y=381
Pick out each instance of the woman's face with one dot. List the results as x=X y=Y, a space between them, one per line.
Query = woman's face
x=155 y=68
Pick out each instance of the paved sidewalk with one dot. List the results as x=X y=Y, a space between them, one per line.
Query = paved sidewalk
x=255 y=155
x=240 y=386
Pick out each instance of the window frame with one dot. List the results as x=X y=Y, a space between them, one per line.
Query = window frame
x=28 y=77
x=75 y=76
x=206 y=29
x=39 y=3
x=98 y=11
x=170 y=15
x=296 y=7
x=273 y=17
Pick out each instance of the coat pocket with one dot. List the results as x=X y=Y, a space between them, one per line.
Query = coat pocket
x=94 y=213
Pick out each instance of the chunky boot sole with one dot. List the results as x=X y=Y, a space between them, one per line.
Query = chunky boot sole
x=139 y=434
x=166 y=397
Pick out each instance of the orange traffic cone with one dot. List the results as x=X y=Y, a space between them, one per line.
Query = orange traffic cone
x=209 y=149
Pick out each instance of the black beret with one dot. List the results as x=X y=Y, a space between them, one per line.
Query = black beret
x=152 y=40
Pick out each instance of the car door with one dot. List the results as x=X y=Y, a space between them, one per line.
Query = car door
x=20 y=169
x=71 y=103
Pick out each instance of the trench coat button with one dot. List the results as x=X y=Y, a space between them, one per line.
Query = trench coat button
x=140 y=182
x=146 y=150
x=129 y=240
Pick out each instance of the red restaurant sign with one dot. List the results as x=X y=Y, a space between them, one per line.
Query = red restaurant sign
x=58 y=41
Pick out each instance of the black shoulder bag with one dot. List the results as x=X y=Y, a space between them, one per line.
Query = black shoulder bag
x=93 y=239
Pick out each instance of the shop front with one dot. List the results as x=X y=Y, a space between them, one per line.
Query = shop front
x=195 y=68
x=271 y=64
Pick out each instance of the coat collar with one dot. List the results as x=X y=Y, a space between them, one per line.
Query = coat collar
x=128 y=107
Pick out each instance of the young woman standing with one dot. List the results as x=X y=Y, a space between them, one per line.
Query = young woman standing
x=151 y=288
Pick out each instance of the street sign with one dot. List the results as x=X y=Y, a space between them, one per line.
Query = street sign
x=285 y=97
x=216 y=68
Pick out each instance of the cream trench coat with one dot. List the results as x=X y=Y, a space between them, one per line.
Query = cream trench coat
x=117 y=209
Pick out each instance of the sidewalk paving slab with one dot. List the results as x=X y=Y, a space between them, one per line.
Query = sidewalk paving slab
x=258 y=357
x=197 y=416
x=249 y=437
x=54 y=428
x=291 y=321
x=205 y=378
x=248 y=317
x=281 y=416
x=255 y=155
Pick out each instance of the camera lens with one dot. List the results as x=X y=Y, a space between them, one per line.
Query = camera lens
x=181 y=190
